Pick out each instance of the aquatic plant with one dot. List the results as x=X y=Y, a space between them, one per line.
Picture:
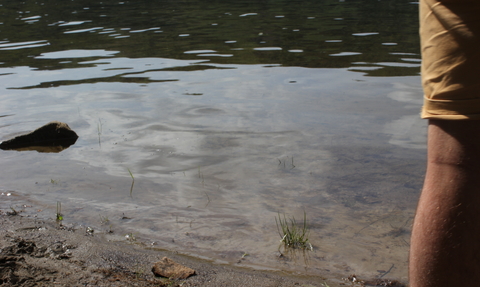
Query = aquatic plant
x=139 y=271
x=200 y=175
x=208 y=198
x=293 y=235
x=59 y=214
x=99 y=131
x=104 y=219
x=13 y=212
x=284 y=163
x=133 y=181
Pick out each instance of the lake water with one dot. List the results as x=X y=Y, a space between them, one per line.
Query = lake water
x=227 y=114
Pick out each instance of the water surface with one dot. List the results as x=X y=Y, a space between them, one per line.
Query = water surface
x=227 y=114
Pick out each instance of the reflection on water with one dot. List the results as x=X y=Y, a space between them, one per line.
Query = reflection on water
x=56 y=148
x=225 y=114
x=165 y=29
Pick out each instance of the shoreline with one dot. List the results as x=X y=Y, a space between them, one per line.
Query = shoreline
x=37 y=250
x=42 y=252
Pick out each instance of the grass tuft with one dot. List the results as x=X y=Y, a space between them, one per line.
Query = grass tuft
x=293 y=235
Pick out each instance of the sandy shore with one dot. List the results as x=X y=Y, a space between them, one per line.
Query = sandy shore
x=37 y=252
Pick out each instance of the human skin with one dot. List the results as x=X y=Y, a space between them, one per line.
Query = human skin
x=445 y=242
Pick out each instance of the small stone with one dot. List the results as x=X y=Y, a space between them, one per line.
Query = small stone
x=171 y=269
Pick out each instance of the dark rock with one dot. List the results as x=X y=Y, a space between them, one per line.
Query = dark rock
x=171 y=269
x=52 y=137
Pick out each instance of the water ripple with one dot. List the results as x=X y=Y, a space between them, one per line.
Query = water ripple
x=23 y=45
x=82 y=30
x=76 y=54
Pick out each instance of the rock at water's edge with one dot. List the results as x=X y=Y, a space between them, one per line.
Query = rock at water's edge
x=171 y=269
x=53 y=133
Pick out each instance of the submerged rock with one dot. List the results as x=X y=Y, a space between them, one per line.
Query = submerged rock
x=52 y=137
x=171 y=269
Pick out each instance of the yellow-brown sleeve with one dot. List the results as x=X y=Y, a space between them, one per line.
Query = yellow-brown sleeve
x=450 y=46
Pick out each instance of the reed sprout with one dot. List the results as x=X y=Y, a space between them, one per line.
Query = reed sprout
x=99 y=131
x=59 y=214
x=293 y=235
x=133 y=181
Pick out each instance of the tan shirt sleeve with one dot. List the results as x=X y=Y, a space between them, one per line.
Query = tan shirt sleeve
x=450 y=46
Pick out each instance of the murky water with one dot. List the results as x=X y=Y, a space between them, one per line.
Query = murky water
x=227 y=114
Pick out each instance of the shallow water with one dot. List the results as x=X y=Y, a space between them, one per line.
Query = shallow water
x=226 y=114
